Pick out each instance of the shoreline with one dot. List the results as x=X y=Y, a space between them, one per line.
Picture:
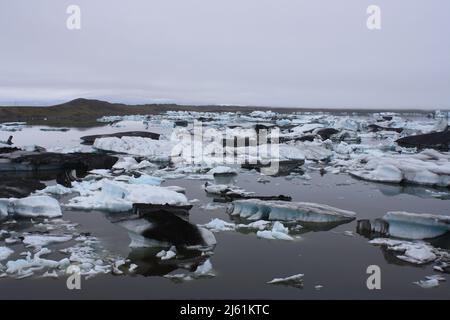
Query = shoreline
x=85 y=112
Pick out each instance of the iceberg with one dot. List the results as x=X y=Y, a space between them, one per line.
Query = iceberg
x=222 y=170
x=204 y=270
x=412 y=252
x=5 y=252
x=164 y=228
x=279 y=231
x=426 y=168
x=293 y=281
x=116 y=196
x=26 y=267
x=142 y=134
x=156 y=150
x=217 y=225
x=406 y=225
x=39 y=241
x=430 y=281
x=146 y=179
x=255 y=209
x=30 y=207
x=315 y=151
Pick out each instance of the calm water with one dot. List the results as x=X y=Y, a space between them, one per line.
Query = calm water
x=244 y=263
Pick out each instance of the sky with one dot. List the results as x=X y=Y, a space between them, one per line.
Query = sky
x=287 y=53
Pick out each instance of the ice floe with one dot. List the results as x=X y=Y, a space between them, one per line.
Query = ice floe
x=279 y=231
x=412 y=252
x=38 y=240
x=255 y=209
x=5 y=252
x=430 y=281
x=116 y=196
x=293 y=281
x=406 y=225
x=157 y=150
x=29 y=207
x=426 y=168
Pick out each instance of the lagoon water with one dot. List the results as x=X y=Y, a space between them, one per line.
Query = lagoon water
x=336 y=259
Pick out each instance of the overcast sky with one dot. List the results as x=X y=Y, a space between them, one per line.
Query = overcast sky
x=295 y=53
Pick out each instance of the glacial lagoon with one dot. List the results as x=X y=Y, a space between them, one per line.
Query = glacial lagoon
x=211 y=252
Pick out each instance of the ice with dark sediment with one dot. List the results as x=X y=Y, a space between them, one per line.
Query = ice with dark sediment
x=407 y=225
x=255 y=209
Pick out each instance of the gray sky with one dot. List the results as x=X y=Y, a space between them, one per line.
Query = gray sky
x=299 y=53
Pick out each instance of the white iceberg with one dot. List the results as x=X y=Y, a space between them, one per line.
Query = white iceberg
x=217 y=225
x=204 y=270
x=279 y=232
x=314 y=151
x=26 y=267
x=39 y=241
x=116 y=196
x=157 y=150
x=412 y=252
x=146 y=179
x=30 y=207
x=222 y=170
x=426 y=168
x=5 y=252
x=254 y=209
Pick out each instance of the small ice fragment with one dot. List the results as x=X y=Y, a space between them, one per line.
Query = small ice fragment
x=204 y=269
x=294 y=281
x=5 y=252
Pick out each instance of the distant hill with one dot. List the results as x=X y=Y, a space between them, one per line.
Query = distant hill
x=84 y=112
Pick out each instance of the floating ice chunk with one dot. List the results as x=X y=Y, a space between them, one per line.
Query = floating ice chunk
x=426 y=168
x=126 y=163
x=222 y=170
x=279 y=231
x=416 y=225
x=56 y=189
x=211 y=206
x=217 y=225
x=255 y=209
x=167 y=255
x=204 y=270
x=429 y=283
x=348 y=124
x=315 y=151
x=118 y=196
x=222 y=189
x=27 y=266
x=382 y=173
x=39 y=241
x=32 y=206
x=12 y=126
x=4 y=204
x=412 y=252
x=5 y=252
x=101 y=172
x=294 y=281
x=258 y=225
x=146 y=179
x=262 y=114
x=129 y=163
x=153 y=149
